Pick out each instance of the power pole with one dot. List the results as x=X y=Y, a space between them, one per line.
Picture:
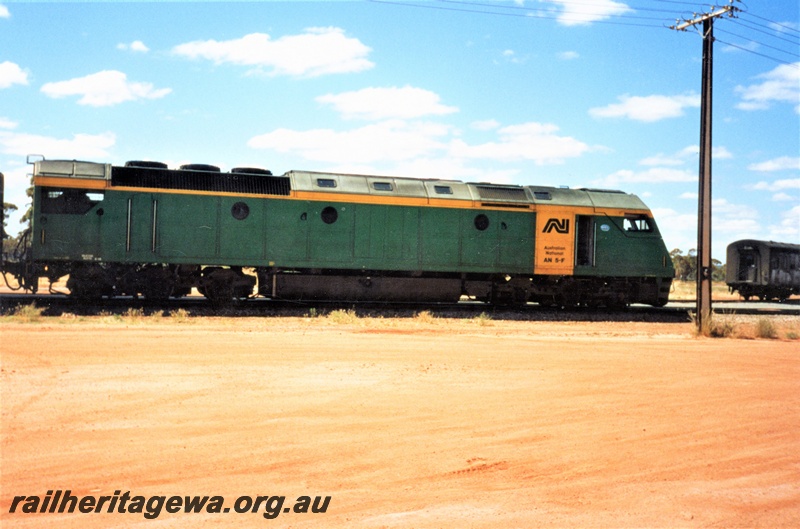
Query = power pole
x=704 y=268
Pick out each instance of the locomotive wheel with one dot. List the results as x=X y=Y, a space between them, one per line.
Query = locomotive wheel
x=90 y=282
x=157 y=283
x=222 y=286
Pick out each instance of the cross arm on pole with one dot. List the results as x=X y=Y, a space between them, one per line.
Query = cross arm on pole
x=729 y=9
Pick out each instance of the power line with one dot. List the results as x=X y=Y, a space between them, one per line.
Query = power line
x=789 y=28
x=792 y=64
x=623 y=19
x=760 y=43
x=676 y=2
x=748 y=26
x=521 y=12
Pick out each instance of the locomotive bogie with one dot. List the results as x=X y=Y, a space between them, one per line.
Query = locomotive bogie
x=144 y=229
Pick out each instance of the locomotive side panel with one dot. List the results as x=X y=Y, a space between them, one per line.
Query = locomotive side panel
x=286 y=233
x=496 y=241
x=67 y=224
x=439 y=238
x=515 y=240
x=331 y=234
x=182 y=228
x=386 y=237
x=242 y=228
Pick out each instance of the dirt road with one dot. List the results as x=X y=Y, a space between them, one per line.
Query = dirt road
x=402 y=423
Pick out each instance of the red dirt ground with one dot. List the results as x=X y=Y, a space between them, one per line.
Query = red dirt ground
x=422 y=423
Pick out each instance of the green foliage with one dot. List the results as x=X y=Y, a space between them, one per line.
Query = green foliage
x=7 y=209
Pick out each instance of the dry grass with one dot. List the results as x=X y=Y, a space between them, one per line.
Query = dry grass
x=27 y=313
x=751 y=327
x=687 y=291
x=343 y=317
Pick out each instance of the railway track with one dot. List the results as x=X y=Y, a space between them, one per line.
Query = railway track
x=57 y=305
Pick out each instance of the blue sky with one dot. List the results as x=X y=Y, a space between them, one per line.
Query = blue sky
x=549 y=92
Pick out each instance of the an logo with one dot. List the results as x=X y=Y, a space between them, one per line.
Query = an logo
x=560 y=225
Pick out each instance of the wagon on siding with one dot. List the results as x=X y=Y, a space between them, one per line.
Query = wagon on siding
x=764 y=269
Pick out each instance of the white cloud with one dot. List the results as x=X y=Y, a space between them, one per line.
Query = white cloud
x=678 y=229
x=781 y=84
x=655 y=175
x=537 y=142
x=487 y=124
x=106 y=88
x=391 y=140
x=512 y=57
x=784 y=27
x=720 y=153
x=6 y=123
x=777 y=185
x=782 y=197
x=318 y=51
x=4 y=12
x=17 y=181
x=80 y=146
x=581 y=13
x=789 y=227
x=568 y=55
x=136 y=45
x=661 y=159
x=647 y=108
x=402 y=142
x=384 y=103
x=777 y=164
x=11 y=74
x=731 y=221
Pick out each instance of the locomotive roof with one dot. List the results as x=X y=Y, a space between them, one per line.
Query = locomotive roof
x=153 y=175
x=499 y=194
x=763 y=244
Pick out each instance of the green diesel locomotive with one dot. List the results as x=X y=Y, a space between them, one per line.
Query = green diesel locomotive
x=145 y=229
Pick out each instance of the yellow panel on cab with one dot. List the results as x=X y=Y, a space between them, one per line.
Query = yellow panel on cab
x=555 y=241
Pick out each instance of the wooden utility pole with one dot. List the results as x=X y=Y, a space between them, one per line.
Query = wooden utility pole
x=704 y=268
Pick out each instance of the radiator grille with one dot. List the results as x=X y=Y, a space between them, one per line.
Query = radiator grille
x=200 y=181
x=515 y=194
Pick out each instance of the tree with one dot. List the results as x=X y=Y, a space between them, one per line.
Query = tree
x=7 y=209
x=686 y=266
